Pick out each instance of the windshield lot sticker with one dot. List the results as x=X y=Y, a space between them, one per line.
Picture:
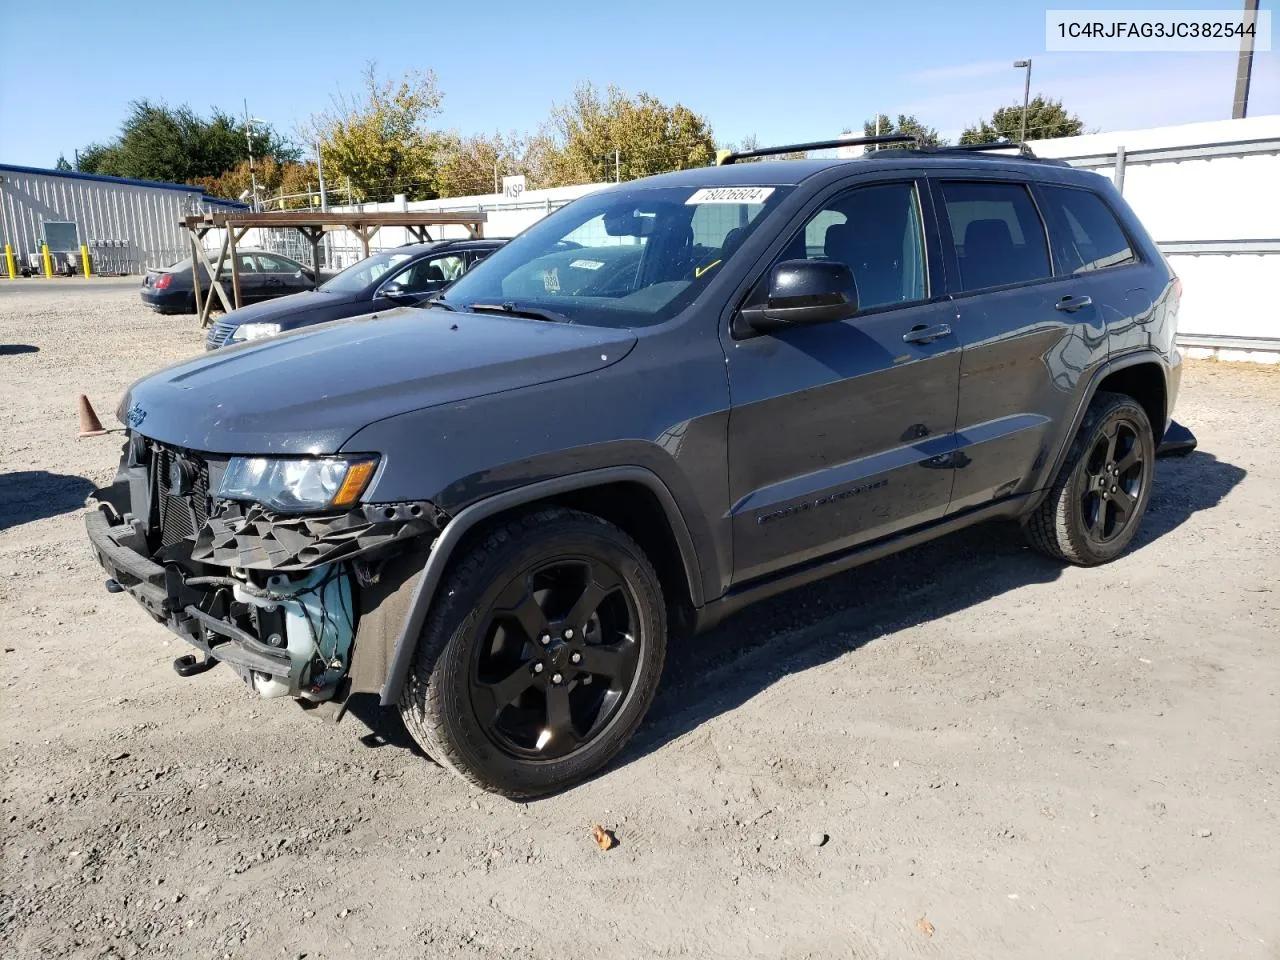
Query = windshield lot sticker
x=730 y=195
x=551 y=280
x=587 y=264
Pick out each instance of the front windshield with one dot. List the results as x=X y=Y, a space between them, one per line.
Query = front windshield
x=619 y=258
x=360 y=275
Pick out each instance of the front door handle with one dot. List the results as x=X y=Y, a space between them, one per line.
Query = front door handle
x=1070 y=304
x=922 y=333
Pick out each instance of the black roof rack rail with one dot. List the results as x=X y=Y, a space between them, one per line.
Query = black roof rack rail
x=816 y=145
x=1022 y=148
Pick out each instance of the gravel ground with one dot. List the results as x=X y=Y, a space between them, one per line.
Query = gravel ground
x=962 y=751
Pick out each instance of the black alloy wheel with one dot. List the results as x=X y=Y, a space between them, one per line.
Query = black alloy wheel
x=1115 y=475
x=540 y=655
x=557 y=655
x=1094 y=508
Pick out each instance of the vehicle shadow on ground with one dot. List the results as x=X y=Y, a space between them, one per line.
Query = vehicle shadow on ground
x=720 y=670
x=12 y=349
x=27 y=495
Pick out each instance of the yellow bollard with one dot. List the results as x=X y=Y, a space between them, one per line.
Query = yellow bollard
x=84 y=258
x=48 y=261
x=8 y=257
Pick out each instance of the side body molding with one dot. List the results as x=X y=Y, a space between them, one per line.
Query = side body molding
x=441 y=550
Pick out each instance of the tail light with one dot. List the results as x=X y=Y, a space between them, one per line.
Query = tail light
x=1177 y=287
x=163 y=281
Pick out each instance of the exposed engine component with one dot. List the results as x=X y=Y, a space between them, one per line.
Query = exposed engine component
x=319 y=626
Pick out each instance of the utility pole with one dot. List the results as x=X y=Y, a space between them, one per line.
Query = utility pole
x=1026 y=95
x=1244 y=66
x=324 y=197
x=617 y=165
x=495 y=177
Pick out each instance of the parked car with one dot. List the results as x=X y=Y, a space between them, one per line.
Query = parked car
x=263 y=276
x=659 y=404
x=404 y=276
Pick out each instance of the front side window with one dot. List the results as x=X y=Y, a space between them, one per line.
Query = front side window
x=360 y=275
x=876 y=231
x=998 y=235
x=621 y=258
x=431 y=274
x=1086 y=234
x=271 y=264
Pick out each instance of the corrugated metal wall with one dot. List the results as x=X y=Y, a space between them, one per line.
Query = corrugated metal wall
x=127 y=226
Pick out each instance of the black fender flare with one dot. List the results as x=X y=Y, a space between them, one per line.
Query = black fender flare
x=467 y=518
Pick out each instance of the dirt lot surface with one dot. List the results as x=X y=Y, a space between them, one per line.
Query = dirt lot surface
x=1006 y=758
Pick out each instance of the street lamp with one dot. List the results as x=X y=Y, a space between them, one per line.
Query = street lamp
x=1026 y=95
x=248 y=135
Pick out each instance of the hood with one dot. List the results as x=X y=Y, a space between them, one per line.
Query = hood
x=309 y=390
x=286 y=309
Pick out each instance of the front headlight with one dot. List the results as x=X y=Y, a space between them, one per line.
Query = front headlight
x=254 y=331
x=320 y=483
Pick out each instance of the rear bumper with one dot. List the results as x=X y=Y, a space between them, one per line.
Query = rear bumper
x=1177 y=441
x=163 y=593
x=166 y=299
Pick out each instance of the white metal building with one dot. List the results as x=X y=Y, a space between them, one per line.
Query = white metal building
x=127 y=225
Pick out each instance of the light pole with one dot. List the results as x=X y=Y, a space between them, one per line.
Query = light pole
x=248 y=135
x=1026 y=95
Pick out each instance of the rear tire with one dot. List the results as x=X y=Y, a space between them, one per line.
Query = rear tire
x=1093 y=510
x=540 y=656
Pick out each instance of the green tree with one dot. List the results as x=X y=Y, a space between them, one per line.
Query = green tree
x=905 y=124
x=1046 y=119
x=62 y=163
x=472 y=165
x=597 y=137
x=178 y=145
x=381 y=139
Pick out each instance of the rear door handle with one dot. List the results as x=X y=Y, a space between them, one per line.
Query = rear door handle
x=921 y=333
x=1070 y=304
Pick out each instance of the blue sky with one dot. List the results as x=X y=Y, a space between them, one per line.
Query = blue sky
x=784 y=71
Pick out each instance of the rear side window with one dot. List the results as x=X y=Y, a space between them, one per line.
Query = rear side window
x=997 y=232
x=1086 y=234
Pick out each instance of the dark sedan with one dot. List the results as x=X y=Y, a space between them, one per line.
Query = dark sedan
x=404 y=276
x=263 y=276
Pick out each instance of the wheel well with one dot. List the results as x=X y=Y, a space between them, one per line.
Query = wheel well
x=1145 y=383
x=633 y=508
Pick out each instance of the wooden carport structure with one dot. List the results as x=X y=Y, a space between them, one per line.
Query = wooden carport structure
x=313 y=227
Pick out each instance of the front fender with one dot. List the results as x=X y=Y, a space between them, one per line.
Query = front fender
x=397 y=609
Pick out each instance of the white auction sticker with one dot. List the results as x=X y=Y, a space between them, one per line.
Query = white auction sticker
x=730 y=195
x=587 y=264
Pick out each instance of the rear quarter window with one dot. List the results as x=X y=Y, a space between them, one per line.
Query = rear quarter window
x=1086 y=234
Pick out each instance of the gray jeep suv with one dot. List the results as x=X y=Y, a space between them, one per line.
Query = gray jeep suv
x=664 y=401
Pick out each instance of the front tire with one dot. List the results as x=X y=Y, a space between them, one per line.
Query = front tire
x=1093 y=510
x=541 y=654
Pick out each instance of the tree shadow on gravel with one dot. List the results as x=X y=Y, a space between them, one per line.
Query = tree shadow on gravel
x=720 y=670
x=27 y=495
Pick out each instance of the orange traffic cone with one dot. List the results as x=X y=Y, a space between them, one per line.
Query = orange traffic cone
x=90 y=425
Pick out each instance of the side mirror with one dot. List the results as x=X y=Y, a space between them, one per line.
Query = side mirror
x=394 y=291
x=803 y=292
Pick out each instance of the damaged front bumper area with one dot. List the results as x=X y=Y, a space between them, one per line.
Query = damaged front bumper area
x=275 y=597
